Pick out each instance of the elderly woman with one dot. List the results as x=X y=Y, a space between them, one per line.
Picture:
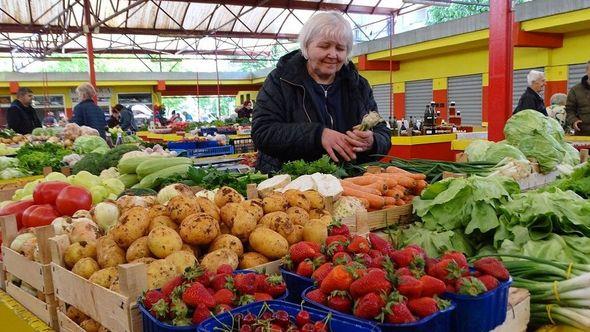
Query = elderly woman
x=311 y=101
x=557 y=109
x=87 y=113
x=532 y=99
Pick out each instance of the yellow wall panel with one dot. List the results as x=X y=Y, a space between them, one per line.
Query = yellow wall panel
x=399 y=87
x=439 y=83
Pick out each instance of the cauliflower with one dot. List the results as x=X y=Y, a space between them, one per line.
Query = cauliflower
x=134 y=154
x=110 y=173
x=347 y=206
x=71 y=159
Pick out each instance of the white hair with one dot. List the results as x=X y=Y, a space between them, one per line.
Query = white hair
x=559 y=99
x=330 y=25
x=86 y=91
x=533 y=76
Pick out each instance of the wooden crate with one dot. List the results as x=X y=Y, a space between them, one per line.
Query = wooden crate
x=66 y=324
x=2 y=277
x=116 y=312
x=45 y=311
x=519 y=311
x=370 y=221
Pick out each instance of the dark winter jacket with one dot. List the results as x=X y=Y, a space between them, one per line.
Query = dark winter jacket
x=22 y=119
x=530 y=100
x=286 y=124
x=578 y=106
x=127 y=121
x=87 y=113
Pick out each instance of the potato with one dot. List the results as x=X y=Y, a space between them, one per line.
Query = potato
x=157 y=210
x=133 y=224
x=90 y=325
x=104 y=277
x=244 y=224
x=316 y=201
x=76 y=315
x=85 y=267
x=163 y=241
x=215 y=259
x=181 y=260
x=227 y=195
x=78 y=250
x=145 y=260
x=138 y=249
x=181 y=206
x=228 y=213
x=274 y=203
x=224 y=229
x=297 y=215
x=199 y=229
x=274 y=219
x=297 y=198
x=295 y=236
x=196 y=251
x=315 y=232
x=269 y=243
x=159 y=273
x=116 y=286
x=228 y=241
x=103 y=329
x=108 y=254
x=323 y=215
x=252 y=259
x=29 y=247
x=255 y=207
x=208 y=207
x=162 y=221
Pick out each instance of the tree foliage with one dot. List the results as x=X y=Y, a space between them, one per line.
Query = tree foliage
x=440 y=14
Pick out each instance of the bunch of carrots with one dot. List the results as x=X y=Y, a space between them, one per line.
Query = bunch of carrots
x=393 y=186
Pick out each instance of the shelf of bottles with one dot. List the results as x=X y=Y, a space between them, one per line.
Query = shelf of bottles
x=431 y=123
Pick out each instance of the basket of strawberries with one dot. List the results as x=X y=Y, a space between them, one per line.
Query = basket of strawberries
x=187 y=300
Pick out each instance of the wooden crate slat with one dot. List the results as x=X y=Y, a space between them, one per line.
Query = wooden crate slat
x=35 y=274
x=381 y=219
x=66 y=324
x=46 y=312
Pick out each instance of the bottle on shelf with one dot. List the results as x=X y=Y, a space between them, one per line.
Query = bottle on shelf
x=452 y=109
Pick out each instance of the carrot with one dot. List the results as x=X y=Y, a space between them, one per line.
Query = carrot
x=420 y=185
x=362 y=180
x=394 y=193
x=372 y=178
x=400 y=202
x=389 y=206
x=401 y=188
x=379 y=185
x=397 y=170
x=364 y=201
x=366 y=189
x=390 y=200
x=393 y=169
x=401 y=179
x=375 y=201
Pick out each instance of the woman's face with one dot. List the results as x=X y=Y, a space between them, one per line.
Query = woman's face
x=326 y=57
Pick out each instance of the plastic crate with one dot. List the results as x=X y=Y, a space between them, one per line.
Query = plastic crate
x=480 y=313
x=336 y=323
x=212 y=151
x=206 y=144
x=182 y=145
x=296 y=284
x=439 y=322
x=151 y=324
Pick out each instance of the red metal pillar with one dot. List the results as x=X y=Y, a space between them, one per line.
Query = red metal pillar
x=500 y=68
x=89 y=45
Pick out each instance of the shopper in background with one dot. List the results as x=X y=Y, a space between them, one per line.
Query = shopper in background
x=187 y=116
x=245 y=112
x=309 y=103
x=127 y=119
x=87 y=113
x=532 y=98
x=557 y=109
x=174 y=117
x=114 y=118
x=578 y=105
x=21 y=116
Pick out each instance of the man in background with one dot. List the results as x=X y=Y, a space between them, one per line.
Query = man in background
x=21 y=116
x=532 y=98
x=577 y=107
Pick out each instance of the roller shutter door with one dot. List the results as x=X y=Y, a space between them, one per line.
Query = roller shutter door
x=418 y=95
x=381 y=94
x=519 y=84
x=466 y=92
x=575 y=74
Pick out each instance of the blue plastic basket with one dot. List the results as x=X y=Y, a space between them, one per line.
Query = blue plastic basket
x=480 y=313
x=151 y=324
x=206 y=144
x=182 y=145
x=212 y=151
x=439 y=322
x=296 y=284
x=336 y=323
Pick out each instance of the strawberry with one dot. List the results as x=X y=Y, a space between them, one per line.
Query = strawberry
x=262 y=297
x=337 y=239
x=457 y=257
x=419 y=249
x=170 y=285
x=316 y=246
x=375 y=253
x=378 y=261
x=151 y=297
x=358 y=245
x=369 y=306
x=450 y=288
x=341 y=258
x=405 y=256
x=197 y=294
x=224 y=296
x=275 y=286
x=432 y=286
x=409 y=286
x=245 y=283
x=340 y=301
x=198 y=274
x=397 y=313
x=356 y=269
x=470 y=286
x=179 y=312
x=378 y=243
x=220 y=281
x=301 y=251
x=493 y=267
x=374 y=282
x=404 y=271
x=317 y=296
x=364 y=259
x=261 y=282
x=201 y=313
x=429 y=264
x=423 y=306
x=305 y=268
x=225 y=269
x=319 y=260
x=447 y=270
x=335 y=244
x=160 y=309
x=488 y=281
x=321 y=272
x=338 y=279
x=221 y=308
x=337 y=228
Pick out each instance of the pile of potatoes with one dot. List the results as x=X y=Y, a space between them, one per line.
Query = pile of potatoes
x=190 y=229
x=86 y=323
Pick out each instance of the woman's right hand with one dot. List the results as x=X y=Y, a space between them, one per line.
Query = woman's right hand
x=335 y=142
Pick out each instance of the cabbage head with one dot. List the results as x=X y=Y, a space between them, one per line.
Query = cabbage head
x=476 y=150
x=87 y=144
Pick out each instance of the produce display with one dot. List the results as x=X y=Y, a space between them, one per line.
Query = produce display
x=34 y=157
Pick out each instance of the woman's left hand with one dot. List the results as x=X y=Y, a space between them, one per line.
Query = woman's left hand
x=361 y=140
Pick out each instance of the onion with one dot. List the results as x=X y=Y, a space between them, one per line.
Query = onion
x=83 y=229
x=62 y=225
x=173 y=190
x=19 y=240
x=106 y=215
